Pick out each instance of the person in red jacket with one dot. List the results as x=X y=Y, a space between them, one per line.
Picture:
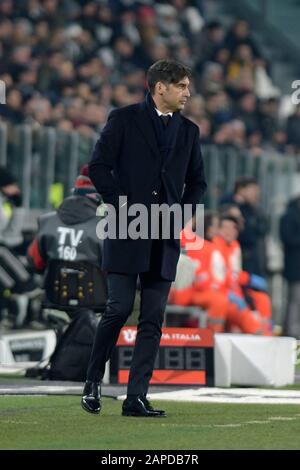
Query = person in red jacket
x=239 y=313
x=204 y=287
x=213 y=280
x=251 y=286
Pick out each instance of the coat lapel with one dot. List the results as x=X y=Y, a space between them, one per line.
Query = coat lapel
x=143 y=121
x=178 y=131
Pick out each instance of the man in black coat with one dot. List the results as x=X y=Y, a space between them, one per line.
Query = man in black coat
x=290 y=237
x=252 y=236
x=150 y=154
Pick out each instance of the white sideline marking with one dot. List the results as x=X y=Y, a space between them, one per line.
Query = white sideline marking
x=40 y=389
x=200 y=395
x=230 y=395
x=236 y=425
x=282 y=418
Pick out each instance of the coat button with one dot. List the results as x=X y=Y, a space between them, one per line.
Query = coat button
x=163 y=170
x=154 y=193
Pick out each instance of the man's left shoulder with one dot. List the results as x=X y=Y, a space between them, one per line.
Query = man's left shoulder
x=190 y=125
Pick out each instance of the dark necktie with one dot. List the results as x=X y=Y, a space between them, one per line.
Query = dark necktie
x=165 y=119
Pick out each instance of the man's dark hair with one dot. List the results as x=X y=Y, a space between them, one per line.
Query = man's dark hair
x=224 y=209
x=209 y=216
x=166 y=71
x=229 y=218
x=243 y=182
x=214 y=24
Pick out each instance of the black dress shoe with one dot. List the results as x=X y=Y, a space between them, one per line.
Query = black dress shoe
x=140 y=406
x=91 y=399
x=149 y=407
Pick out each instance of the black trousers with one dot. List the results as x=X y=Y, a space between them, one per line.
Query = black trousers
x=121 y=295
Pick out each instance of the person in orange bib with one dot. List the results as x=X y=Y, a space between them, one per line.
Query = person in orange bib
x=251 y=286
x=204 y=286
x=239 y=313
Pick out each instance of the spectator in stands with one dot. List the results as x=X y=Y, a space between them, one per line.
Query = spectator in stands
x=278 y=141
x=293 y=129
x=205 y=129
x=290 y=237
x=238 y=35
x=255 y=143
x=208 y=41
x=53 y=52
x=264 y=87
x=219 y=108
x=268 y=117
x=252 y=238
x=212 y=79
x=247 y=112
x=221 y=57
x=238 y=133
x=13 y=110
x=240 y=74
x=195 y=107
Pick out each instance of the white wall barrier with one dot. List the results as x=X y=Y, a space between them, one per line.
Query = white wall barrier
x=251 y=360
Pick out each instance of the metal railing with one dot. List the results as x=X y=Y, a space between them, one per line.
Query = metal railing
x=42 y=157
x=277 y=175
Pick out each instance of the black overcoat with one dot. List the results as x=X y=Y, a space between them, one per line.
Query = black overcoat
x=127 y=161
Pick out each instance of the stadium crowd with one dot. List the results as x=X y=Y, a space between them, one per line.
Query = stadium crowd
x=68 y=63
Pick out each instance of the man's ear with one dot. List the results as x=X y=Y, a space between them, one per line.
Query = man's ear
x=160 y=87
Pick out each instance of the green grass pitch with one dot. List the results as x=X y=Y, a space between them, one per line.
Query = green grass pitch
x=58 y=422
